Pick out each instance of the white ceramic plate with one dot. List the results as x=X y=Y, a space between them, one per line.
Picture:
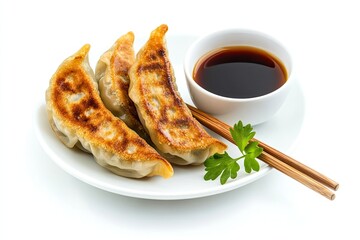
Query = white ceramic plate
x=187 y=182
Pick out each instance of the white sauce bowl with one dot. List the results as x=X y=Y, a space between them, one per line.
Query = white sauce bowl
x=253 y=110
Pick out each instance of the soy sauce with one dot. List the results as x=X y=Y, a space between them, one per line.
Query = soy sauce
x=240 y=72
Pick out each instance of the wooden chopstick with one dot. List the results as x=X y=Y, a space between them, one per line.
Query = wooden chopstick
x=280 y=161
x=299 y=166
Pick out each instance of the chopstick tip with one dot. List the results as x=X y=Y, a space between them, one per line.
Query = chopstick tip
x=332 y=197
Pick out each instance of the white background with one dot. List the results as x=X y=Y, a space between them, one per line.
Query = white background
x=38 y=200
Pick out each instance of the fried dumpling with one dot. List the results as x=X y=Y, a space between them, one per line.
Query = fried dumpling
x=161 y=109
x=111 y=73
x=78 y=117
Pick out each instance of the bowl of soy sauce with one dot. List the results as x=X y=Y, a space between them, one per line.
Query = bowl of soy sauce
x=238 y=70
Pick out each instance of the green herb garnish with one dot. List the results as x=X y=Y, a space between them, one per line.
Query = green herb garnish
x=226 y=166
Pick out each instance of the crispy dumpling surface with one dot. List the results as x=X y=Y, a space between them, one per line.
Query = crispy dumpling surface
x=111 y=73
x=79 y=118
x=161 y=109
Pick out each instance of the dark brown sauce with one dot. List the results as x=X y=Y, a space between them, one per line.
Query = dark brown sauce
x=240 y=72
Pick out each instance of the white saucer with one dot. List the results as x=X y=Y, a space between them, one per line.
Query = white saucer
x=187 y=182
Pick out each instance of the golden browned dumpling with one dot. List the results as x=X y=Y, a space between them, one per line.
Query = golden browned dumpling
x=78 y=117
x=111 y=73
x=161 y=109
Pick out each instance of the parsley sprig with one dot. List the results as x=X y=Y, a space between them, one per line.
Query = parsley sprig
x=226 y=166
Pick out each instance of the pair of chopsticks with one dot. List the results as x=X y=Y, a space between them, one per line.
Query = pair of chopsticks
x=276 y=159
